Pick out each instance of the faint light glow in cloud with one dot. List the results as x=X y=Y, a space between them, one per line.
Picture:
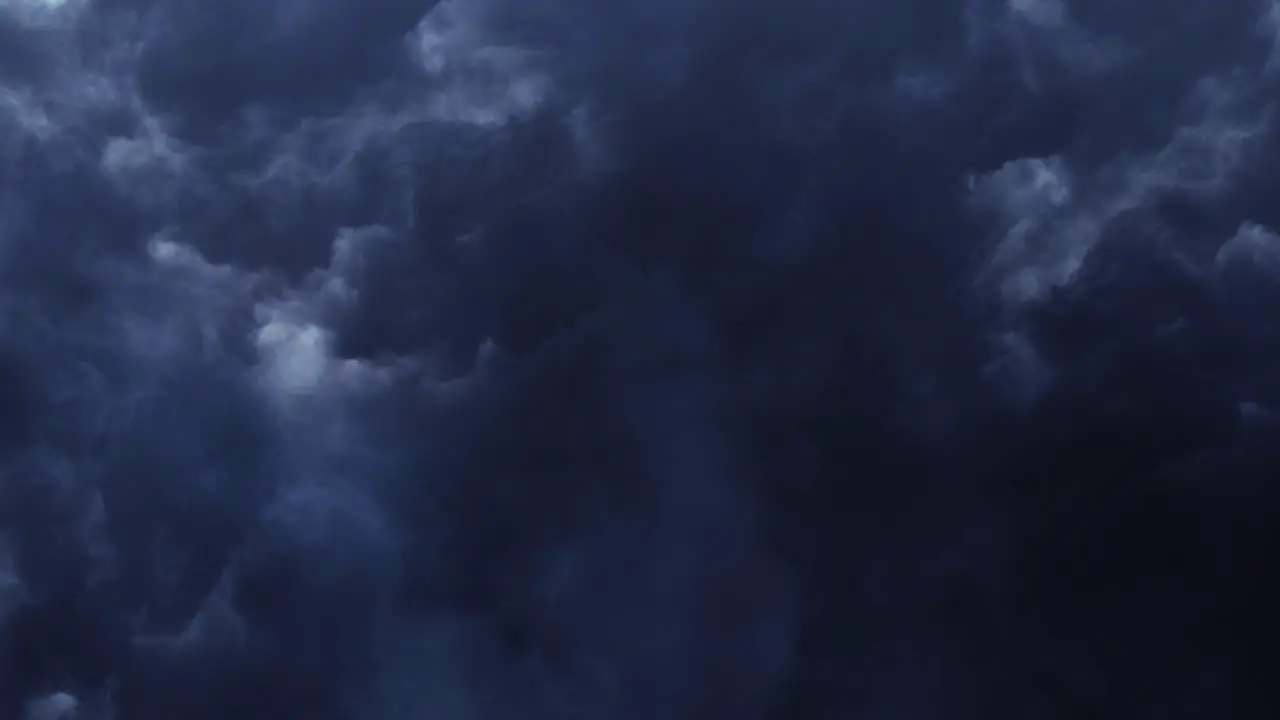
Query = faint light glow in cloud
x=42 y=13
x=1051 y=221
x=58 y=706
x=473 y=81
x=1042 y=13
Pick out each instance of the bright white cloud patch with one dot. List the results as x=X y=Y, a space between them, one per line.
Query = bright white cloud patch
x=471 y=81
x=1041 y=246
x=23 y=113
x=297 y=355
x=1050 y=222
x=58 y=706
x=294 y=340
x=149 y=167
x=1254 y=246
x=40 y=13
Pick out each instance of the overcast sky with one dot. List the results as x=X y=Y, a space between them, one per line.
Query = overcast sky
x=497 y=359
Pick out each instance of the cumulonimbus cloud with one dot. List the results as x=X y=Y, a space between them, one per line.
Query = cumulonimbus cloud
x=479 y=359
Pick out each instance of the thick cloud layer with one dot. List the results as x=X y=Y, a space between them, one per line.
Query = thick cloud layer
x=487 y=359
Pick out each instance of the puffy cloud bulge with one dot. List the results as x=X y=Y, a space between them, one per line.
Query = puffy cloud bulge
x=474 y=359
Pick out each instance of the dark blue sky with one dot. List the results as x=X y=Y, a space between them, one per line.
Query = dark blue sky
x=484 y=359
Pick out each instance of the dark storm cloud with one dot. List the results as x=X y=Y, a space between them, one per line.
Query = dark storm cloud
x=213 y=505
x=479 y=359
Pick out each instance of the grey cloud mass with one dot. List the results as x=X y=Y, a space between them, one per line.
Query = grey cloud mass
x=482 y=359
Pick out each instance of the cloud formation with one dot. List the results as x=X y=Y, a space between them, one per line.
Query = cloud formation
x=482 y=359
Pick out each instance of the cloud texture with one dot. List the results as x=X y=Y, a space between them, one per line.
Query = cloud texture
x=470 y=359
